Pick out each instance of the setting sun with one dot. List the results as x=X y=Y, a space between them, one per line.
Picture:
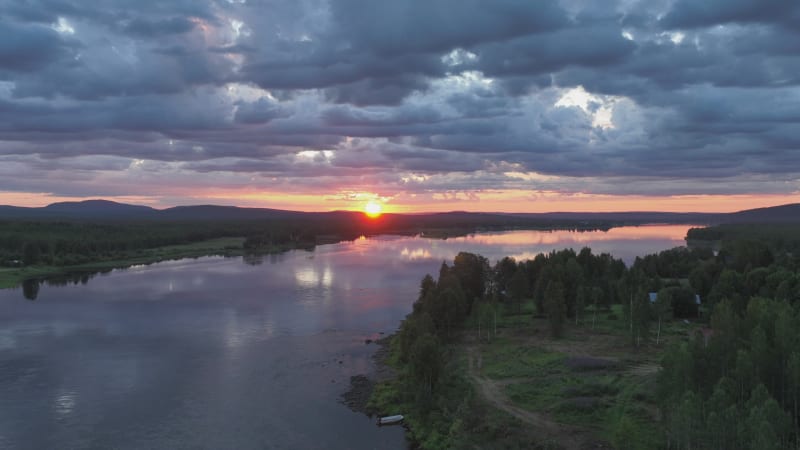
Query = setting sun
x=372 y=209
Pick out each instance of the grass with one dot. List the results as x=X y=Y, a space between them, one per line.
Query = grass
x=504 y=358
x=229 y=246
x=618 y=405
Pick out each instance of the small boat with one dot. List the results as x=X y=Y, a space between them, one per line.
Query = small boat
x=390 y=420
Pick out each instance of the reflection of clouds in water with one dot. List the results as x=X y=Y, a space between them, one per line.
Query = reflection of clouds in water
x=417 y=253
x=566 y=237
x=310 y=276
x=317 y=284
x=240 y=331
x=64 y=403
x=622 y=242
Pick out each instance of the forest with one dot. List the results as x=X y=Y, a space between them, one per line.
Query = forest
x=732 y=381
x=66 y=243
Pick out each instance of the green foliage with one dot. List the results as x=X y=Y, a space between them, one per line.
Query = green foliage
x=555 y=307
x=440 y=309
x=518 y=289
x=674 y=263
x=410 y=331
x=638 y=315
x=473 y=273
x=681 y=301
x=426 y=361
x=745 y=378
x=503 y=360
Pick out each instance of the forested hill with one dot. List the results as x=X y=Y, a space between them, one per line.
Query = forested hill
x=108 y=210
x=776 y=214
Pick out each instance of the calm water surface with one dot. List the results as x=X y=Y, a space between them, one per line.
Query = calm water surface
x=231 y=352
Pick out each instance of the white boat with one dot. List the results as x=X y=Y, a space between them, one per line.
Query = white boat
x=390 y=420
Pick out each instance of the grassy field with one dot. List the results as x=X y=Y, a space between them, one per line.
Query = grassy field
x=591 y=378
x=589 y=388
x=12 y=277
x=601 y=394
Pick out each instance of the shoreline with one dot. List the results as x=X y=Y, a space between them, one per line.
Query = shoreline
x=14 y=277
x=359 y=395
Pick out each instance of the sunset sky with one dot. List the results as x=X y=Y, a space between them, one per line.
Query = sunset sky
x=421 y=105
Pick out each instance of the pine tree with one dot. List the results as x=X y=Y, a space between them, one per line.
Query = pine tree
x=555 y=307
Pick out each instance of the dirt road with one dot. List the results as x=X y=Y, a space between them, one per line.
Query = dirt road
x=566 y=436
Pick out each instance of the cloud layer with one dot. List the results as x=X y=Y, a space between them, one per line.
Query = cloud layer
x=410 y=101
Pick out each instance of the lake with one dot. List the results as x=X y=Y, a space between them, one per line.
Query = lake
x=233 y=352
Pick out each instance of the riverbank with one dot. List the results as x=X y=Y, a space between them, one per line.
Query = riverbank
x=457 y=416
x=358 y=396
x=11 y=277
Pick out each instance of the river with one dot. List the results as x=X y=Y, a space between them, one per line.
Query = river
x=233 y=352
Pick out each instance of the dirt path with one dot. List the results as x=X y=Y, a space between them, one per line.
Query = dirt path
x=569 y=437
x=643 y=368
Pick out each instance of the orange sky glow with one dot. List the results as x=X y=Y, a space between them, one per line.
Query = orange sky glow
x=500 y=201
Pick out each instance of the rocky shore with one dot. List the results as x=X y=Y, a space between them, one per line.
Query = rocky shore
x=357 y=396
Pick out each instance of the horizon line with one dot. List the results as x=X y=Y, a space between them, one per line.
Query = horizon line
x=88 y=200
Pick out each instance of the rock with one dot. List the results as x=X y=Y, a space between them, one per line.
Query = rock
x=357 y=396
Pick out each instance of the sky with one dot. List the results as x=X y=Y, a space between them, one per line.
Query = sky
x=421 y=105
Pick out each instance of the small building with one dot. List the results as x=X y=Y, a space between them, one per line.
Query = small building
x=653 y=296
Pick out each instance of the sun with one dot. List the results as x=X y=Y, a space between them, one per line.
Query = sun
x=372 y=209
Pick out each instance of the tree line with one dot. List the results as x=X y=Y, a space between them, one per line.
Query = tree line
x=65 y=243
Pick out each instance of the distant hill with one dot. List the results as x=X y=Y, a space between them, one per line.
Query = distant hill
x=626 y=217
x=775 y=214
x=98 y=208
x=214 y=213
x=113 y=211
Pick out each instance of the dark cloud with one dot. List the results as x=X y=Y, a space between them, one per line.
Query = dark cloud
x=689 y=13
x=423 y=26
x=377 y=91
x=593 y=45
x=151 y=28
x=663 y=96
x=27 y=47
x=260 y=111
